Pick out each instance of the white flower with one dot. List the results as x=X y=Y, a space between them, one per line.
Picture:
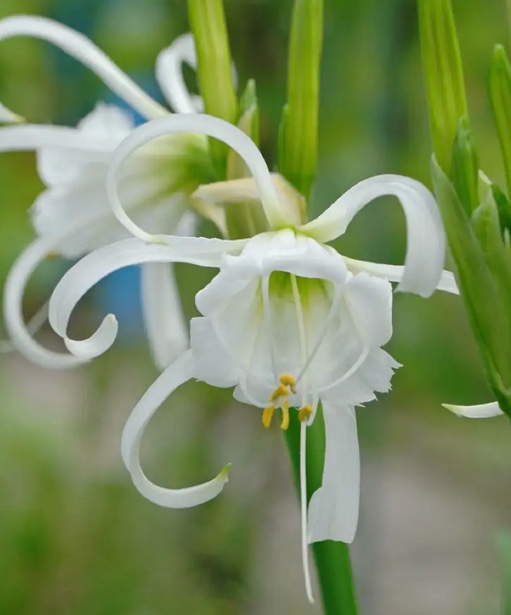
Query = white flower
x=288 y=321
x=72 y=216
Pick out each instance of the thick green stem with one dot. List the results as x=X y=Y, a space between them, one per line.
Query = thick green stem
x=332 y=558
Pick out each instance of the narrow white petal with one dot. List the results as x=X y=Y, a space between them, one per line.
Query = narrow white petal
x=425 y=233
x=33 y=326
x=14 y=288
x=174 y=376
x=480 y=411
x=203 y=124
x=85 y=51
x=303 y=512
x=169 y=74
x=34 y=136
x=163 y=314
x=333 y=508
x=100 y=263
x=394 y=273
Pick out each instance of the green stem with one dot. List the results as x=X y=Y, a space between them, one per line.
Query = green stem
x=332 y=558
x=214 y=68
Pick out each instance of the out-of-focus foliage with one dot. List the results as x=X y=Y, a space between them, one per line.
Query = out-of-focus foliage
x=75 y=537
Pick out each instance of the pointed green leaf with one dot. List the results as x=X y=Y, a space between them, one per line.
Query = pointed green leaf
x=499 y=85
x=504 y=208
x=487 y=315
x=465 y=167
x=441 y=60
x=298 y=141
x=207 y=21
x=485 y=221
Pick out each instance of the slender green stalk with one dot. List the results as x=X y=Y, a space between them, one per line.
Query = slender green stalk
x=298 y=140
x=443 y=73
x=499 y=86
x=332 y=558
x=207 y=21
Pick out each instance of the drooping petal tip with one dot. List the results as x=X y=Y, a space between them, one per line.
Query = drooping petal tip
x=479 y=411
x=98 y=343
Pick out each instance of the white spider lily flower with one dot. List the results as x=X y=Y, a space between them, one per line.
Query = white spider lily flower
x=72 y=216
x=288 y=321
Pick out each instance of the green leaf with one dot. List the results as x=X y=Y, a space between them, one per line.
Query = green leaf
x=485 y=221
x=499 y=85
x=298 y=142
x=443 y=72
x=214 y=68
x=504 y=208
x=332 y=558
x=465 y=167
x=487 y=315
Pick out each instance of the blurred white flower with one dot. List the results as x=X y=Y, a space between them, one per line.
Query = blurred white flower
x=72 y=216
x=288 y=321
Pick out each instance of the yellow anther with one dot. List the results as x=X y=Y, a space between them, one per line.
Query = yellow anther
x=305 y=412
x=288 y=381
x=267 y=416
x=285 y=416
x=280 y=391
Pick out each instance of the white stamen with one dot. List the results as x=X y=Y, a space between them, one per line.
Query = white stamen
x=321 y=338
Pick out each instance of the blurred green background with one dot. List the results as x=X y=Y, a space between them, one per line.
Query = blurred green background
x=75 y=536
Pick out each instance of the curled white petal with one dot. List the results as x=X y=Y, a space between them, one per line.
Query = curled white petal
x=34 y=136
x=169 y=74
x=394 y=273
x=33 y=326
x=333 y=508
x=195 y=123
x=85 y=51
x=480 y=411
x=425 y=252
x=15 y=285
x=173 y=377
x=100 y=263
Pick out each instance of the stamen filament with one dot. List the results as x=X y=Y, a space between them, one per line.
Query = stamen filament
x=267 y=416
x=285 y=416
